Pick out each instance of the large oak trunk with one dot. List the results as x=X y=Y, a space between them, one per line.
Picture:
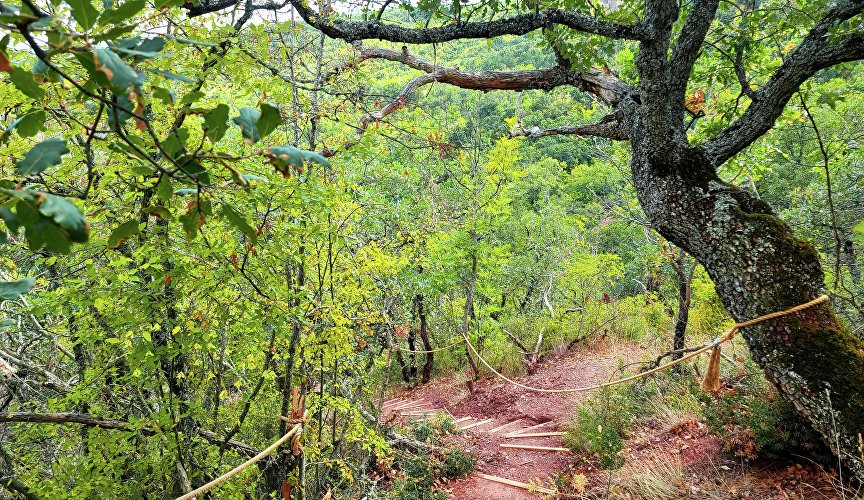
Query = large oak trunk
x=759 y=266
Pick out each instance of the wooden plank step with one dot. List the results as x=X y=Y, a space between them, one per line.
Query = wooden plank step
x=535 y=435
x=493 y=431
x=421 y=412
x=534 y=448
x=475 y=424
x=461 y=420
x=390 y=402
x=408 y=405
x=521 y=431
x=518 y=484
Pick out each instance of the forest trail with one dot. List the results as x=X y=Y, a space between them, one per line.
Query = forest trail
x=497 y=410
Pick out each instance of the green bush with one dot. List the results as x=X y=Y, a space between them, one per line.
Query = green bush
x=753 y=420
x=457 y=463
x=418 y=472
x=601 y=424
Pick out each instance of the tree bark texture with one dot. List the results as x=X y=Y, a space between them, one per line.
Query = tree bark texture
x=758 y=267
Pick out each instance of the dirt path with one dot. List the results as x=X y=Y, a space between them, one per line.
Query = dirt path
x=498 y=408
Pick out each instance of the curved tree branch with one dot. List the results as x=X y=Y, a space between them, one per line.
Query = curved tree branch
x=817 y=51
x=604 y=85
x=689 y=46
x=609 y=129
x=516 y=25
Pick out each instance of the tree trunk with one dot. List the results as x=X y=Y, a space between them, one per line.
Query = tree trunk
x=758 y=267
x=468 y=315
x=685 y=279
x=851 y=261
x=424 y=336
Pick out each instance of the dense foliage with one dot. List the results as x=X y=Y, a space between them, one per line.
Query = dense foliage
x=196 y=227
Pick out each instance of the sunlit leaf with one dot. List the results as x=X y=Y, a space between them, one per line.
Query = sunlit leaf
x=43 y=155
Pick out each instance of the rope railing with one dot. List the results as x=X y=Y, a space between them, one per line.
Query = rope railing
x=292 y=435
x=296 y=431
x=412 y=351
x=714 y=344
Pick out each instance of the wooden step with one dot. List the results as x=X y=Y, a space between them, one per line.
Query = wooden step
x=522 y=431
x=493 y=431
x=535 y=435
x=518 y=484
x=475 y=424
x=534 y=448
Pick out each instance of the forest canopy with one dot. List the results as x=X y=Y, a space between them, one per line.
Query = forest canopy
x=220 y=213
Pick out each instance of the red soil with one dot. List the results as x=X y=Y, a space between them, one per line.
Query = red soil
x=505 y=403
x=705 y=471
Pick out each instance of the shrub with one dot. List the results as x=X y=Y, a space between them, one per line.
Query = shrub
x=752 y=419
x=418 y=473
x=602 y=422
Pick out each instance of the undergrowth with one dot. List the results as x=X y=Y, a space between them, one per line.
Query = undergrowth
x=417 y=474
x=752 y=419
x=749 y=416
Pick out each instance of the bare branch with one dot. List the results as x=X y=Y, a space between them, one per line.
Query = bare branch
x=608 y=129
x=817 y=51
x=516 y=25
x=604 y=85
x=92 y=421
x=52 y=381
x=688 y=47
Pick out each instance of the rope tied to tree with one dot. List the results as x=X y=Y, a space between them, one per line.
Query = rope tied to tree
x=298 y=418
x=711 y=381
x=293 y=435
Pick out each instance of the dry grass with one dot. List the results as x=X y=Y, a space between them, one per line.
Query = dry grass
x=656 y=479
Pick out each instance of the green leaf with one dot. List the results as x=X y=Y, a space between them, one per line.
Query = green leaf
x=186 y=41
x=24 y=82
x=247 y=121
x=121 y=13
x=250 y=177
x=859 y=228
x=175 y=144
x=191 y=97
x=163 y=189
x=43 y=155
x=165 y=95
x=66 y=215
x=11 y=290
x=84 y=13
x=155 y=44
x=43 y=73
x=284 y=157
x=49 y=221
x=117 y=117
x=118 y=72
x=122 y=233
x=192 y=220
x=171 y=76
x=216 y=122
x=161 y=212
x=316 y=158
x=239 y=222
x=31 y=123
x=270 y=119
